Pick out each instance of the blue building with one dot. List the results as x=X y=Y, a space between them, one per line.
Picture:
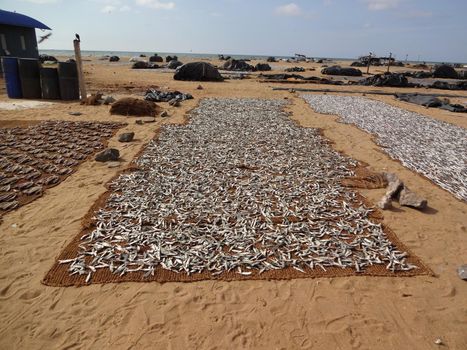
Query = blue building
x=18 y=35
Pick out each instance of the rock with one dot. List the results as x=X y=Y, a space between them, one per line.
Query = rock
x=139 y=122
x=385 y=202
x=174 y=64
x=295 y=69
x=148 y=120
x=271 y=59
x=108 y=100
x=408 y=198
x=165 y=114
x=462 y=272
x=386 y=79
x=156 y=58
x=439 y=341
x=76 y=114
x=199 y=87
x=171 y=58
x=126 y=137
x=110 y=154
x=445 y=71
x=140 y=65
x=174 y=102
x=262 y=67
x=358 y=64
x=238 y=65
x=197 y=71
x=114 y=59
x=394 y=187
x=338 y=70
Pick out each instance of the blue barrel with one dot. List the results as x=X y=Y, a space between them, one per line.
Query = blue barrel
x=49 y=84
x=11 y=75
x=68 y=81
x=30 y=77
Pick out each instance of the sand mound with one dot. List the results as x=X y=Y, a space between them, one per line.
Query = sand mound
x=129 y=106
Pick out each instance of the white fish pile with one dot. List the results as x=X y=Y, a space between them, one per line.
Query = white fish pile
x=240 y=188
x=433 y=148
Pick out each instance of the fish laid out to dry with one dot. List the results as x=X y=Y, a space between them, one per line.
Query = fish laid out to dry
x=433 y=148
x=40 y=156
x=240 y=188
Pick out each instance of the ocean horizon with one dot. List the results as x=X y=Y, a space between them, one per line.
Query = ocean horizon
x=100 y=53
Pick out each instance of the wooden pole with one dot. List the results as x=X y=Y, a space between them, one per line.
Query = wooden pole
x=79 y=66
x=369 y=62
x=389 y=60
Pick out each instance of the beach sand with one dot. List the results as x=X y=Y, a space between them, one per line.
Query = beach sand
x=320 y=313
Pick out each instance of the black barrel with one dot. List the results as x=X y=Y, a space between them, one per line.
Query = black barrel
x=68 y=81
x=30 y=77
x=11 y=75
x=49 y=83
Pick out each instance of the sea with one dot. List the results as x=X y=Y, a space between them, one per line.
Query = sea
x=87 y=53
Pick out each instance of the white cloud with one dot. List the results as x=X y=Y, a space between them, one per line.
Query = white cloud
x=381 y=5
x=108 y=9
x=42 y=1
x=156 y=4
x=291 y=9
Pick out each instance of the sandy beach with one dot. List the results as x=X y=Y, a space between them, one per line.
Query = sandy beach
x=357 y=312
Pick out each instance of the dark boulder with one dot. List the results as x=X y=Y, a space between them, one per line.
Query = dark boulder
x=174 y=64
x=197 y=71
x=387 y=79
x=262 y=67
x=338 y=70
x=110 y=154
x=422 y=75
x=156 y=58
x=238 y=65
x=140 y=65
x=295 y=69
x=142 y=55
x=445 y=71
x=114 y=59
x=271 y=59
x=126 y=137
x=171 y=58
x=358 y=64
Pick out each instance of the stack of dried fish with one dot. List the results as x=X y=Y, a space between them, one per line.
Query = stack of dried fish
x=240 y=188
x=40 y=156
x=433 y=148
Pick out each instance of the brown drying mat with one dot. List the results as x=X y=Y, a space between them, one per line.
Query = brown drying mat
x=55 y=139
x=58 y=275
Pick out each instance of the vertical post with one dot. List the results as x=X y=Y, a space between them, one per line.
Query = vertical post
x=79 y=66
x=369 y=62
x=389 y=60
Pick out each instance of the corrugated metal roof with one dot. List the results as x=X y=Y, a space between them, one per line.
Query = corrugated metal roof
x=17 y=19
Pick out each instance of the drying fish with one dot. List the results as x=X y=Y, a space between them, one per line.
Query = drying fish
x=433 y=148
x=240 y=188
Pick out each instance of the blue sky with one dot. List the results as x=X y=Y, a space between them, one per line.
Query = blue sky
x=434 y=30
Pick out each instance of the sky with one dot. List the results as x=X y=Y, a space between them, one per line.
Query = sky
x=429 y=30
